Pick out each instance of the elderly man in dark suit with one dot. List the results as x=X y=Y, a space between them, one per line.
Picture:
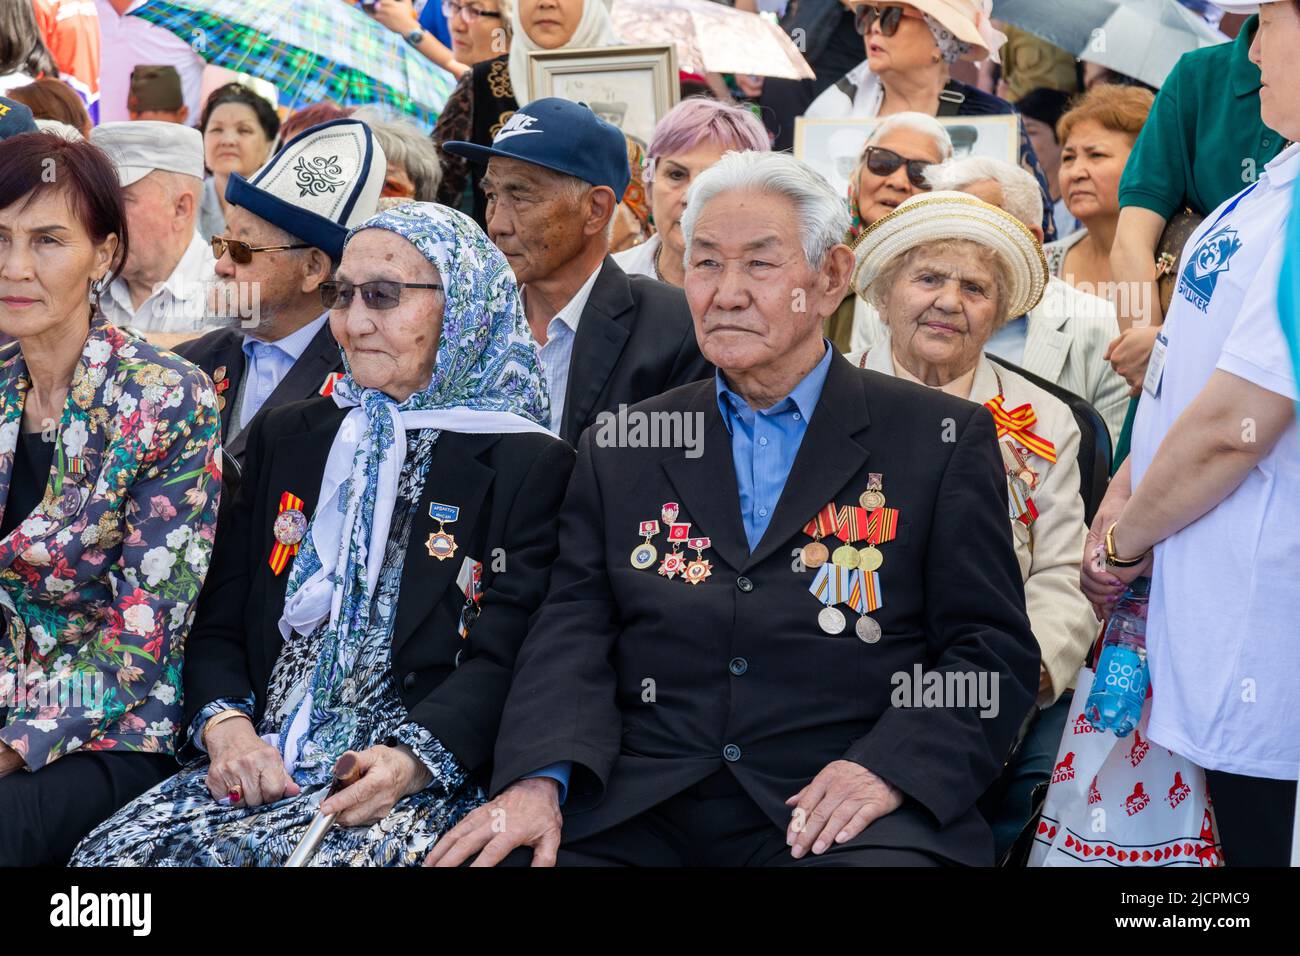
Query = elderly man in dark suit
x=555 y=174
x=817 y=651
x=284 y=236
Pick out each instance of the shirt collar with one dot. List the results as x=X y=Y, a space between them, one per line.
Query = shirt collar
x=803 y=397
x=571 y=314
x=293 y=344
x=1245 y=75
x=1284 y=167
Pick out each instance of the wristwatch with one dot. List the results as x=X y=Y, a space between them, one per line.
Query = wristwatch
x=1115 y=561
x=415 y=36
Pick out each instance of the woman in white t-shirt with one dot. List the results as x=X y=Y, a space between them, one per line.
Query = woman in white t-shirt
x=1210 y=498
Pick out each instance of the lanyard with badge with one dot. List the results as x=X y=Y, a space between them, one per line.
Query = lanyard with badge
x=1160 y=350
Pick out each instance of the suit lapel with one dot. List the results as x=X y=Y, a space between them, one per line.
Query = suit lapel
x=707 y=485
x=597 y=345
x=304 y=379
x=231 y=358
x=828 y=457
x=456 y=477
x=1045 y=346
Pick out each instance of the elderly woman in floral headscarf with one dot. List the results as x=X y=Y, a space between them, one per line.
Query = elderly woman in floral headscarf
x=359 y=601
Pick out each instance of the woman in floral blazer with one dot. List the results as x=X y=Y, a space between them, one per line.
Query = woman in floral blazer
x=109 y=480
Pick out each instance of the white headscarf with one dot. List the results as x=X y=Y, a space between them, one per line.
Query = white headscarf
x=594 y=30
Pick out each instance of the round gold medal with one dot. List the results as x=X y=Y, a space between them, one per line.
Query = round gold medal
x=845 y=556
x=814 y=555
x=870 y=558
x=871 y=500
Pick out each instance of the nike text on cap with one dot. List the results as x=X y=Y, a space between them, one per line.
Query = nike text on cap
x=559 y=135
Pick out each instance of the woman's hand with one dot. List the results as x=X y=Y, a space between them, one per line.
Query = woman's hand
x=1100 y=586
x=245 y=764
x=10 y=760
x=397 y=15
x=387 y=775
x=1129 y=354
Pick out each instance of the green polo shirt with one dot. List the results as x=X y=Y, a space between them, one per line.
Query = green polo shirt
x=1204 y=140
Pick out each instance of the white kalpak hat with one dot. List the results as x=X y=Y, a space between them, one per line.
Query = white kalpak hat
x=139 y=147
x=320 y=184
x=938 y=216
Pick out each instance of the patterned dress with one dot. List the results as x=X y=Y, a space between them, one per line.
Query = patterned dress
x=178 y=823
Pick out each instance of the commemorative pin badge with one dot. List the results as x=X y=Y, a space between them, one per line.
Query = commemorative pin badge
x=441 y=544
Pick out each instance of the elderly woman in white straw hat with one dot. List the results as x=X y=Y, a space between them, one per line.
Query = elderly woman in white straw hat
x=946 y=270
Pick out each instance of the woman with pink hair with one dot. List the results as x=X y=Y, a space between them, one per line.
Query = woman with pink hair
x=691 y=137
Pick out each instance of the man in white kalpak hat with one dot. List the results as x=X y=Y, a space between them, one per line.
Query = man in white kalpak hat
x=284 y=237
x=168 y=265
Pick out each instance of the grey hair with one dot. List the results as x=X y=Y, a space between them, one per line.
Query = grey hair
x=917 y=123
x=404 y=145
x=59 y=128
x=1021 y=196
x=819 y=207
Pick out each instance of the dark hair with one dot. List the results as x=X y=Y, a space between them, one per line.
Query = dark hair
x=312 y=115
x=239 y=93
x=1045 y=105
x=55 y=100
x=32 y=163
x=21 y=48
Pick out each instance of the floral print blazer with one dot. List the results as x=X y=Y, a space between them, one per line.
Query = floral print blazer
x=98 y=583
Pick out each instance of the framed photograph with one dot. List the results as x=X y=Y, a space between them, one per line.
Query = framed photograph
x=630 y=86
x=832 y=146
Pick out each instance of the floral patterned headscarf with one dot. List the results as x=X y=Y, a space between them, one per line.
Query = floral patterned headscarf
x=486 y=378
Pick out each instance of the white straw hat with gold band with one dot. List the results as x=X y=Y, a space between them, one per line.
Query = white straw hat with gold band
x=939 y=216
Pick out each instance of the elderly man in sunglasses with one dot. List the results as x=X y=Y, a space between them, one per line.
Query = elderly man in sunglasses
x=284 y=237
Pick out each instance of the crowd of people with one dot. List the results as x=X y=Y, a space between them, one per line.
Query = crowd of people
x=311 y=499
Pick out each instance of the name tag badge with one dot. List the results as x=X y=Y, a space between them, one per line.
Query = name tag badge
x=1156 y=367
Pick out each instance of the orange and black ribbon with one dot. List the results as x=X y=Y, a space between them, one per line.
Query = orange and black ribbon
x=1017 y=423
x=281 y=553
x=882 y=525
x=852 y=524
x=826 y=522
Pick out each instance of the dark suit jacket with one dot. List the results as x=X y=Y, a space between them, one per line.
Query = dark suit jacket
x=508 y=488
x=740 y=660
x=226 y=347
x=635 y=340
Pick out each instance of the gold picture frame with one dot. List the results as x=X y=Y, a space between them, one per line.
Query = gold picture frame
x=631 y=86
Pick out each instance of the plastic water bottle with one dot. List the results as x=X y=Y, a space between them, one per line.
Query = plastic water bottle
x=1120 y=686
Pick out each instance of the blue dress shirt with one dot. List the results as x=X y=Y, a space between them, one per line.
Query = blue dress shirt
x=764 y=443
x=267 y=363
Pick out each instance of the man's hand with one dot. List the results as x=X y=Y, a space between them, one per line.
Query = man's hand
x=387 y=775
x=527 y=813
x=1130 y=353
x=840 y=802
x=10 y=759
x=244 y=763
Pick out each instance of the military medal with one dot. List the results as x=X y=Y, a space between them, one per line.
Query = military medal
x=442 y=545
x=669 y=512
x=868 y=630
x=882 y=526
x=644 y=554
x=831 y=586
x=873 y=497
x=672 y=565
x=815 y=554
x=290 y=528
x=850 y=527
x=699 y=569
x=221 y=383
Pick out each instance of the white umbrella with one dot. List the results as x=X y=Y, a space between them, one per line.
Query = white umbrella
x=1139 y=38
x=712 y=38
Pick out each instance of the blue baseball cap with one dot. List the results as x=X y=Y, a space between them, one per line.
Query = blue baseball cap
x=559 y=135
x=15 y=118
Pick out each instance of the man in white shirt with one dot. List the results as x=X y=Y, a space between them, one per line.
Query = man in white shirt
x=168 y=267
x=126 y=41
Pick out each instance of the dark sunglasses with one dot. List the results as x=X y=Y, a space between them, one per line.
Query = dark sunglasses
x=381 y=294
x=883 y=162
x=889 y=17
x=242 y=253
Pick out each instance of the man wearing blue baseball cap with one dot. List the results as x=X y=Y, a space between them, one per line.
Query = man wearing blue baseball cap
x=15 y=118
x=555 y=174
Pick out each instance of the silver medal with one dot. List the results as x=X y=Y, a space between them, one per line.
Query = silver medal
x=831 y=620
x=868 y=629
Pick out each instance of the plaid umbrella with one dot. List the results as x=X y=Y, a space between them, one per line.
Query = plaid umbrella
x=311 y=50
